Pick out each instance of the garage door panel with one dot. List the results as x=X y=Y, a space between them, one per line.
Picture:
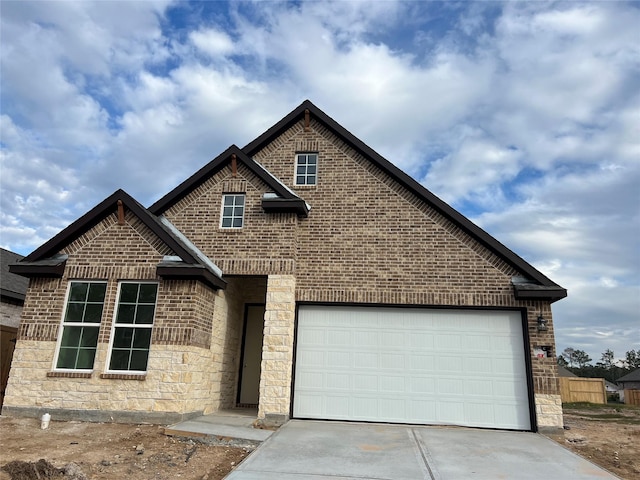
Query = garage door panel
x=411 y=365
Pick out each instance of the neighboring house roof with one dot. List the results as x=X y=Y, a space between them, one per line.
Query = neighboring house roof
x=631 y=377
x=186 y=263
x=282 y=200
x=12 y=286
x=535 y=286
x=563 y=372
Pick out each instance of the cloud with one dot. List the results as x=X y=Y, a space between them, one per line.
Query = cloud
x=523 y=115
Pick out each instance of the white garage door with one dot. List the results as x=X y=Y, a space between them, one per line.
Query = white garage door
x=423 y=366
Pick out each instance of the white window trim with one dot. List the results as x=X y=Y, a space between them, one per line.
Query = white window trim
x=130 y=325
x=244 y=209
x=295 y=170
x=56 y=355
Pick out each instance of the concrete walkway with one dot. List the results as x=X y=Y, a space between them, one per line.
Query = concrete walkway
x=229 y=427
x=310 y=450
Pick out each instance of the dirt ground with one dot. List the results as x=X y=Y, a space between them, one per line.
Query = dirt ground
x=607 y=435
x=83 y=451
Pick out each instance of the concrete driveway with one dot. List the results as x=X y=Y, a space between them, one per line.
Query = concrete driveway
x=310 y=450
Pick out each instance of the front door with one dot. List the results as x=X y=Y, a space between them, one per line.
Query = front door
x=251 y=356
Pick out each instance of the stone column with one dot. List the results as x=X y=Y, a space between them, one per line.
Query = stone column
x=277 y=350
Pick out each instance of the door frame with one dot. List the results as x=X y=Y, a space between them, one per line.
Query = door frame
x=247 y=306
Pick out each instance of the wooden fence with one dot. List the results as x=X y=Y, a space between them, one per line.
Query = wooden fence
x=632 y=397
x=574 y=389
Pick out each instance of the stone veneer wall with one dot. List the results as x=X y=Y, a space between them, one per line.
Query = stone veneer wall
x=277 y=350
x=174 y=387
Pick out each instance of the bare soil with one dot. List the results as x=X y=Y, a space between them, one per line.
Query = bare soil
x=88 y=451
x=607 y=435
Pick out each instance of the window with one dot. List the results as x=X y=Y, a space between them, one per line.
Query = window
x=131 y=335
x=232 y=211
x=306 y=168
x=81 y=325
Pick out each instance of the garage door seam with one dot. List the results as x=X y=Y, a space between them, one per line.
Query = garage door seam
x=426 y=456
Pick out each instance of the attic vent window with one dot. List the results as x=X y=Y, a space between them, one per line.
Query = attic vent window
x=306 y=169
x=232 y=211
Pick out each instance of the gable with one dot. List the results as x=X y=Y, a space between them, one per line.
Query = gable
x=177 y=257
x=283 y=199
x=531 y=283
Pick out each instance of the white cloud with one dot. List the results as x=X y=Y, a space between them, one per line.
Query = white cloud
x=527 y=111
x=212 y=42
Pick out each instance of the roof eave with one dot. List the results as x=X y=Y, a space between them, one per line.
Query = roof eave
x=285 y=205
x=38 y=270
x=539 y=292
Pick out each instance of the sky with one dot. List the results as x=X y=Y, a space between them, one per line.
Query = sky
x=524 y=116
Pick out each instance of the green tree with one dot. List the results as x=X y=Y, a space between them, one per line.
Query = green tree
x=580 y=358
x=632 y=359
x=567 y=354
x=607 y=359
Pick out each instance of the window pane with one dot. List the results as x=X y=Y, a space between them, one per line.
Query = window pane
x=228 y=211
x=300 y=180
x=71 y=336
x=311 y=169
x=301 y=170
x=126 y=314
x=228 y=200
x=67 y=358
x=119 y=360
x=142 y=338
x=226 y=222
x=89 y=337
x=147 y=293
x=145 y=314
x=85 y=358
x=237 y=222
x=96 y=292
x=139 y=359
x=239 y=199
x=75 y=312
x=93 y=313
x=311 y=180
x=129 y=292
x=123 y=338
x=237 y=211
x=312 y=159
x=78 y=292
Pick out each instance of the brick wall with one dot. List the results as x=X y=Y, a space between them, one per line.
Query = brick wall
x=366 y=240
x=179 y=377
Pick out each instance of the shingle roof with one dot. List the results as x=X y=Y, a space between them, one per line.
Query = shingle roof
x=631 y=377
x=11 y=285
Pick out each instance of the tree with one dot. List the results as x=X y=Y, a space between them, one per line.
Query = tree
x=580 y=358
x=632 y=359
x=607 y=359
x=567 y=354
x=562 y=361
